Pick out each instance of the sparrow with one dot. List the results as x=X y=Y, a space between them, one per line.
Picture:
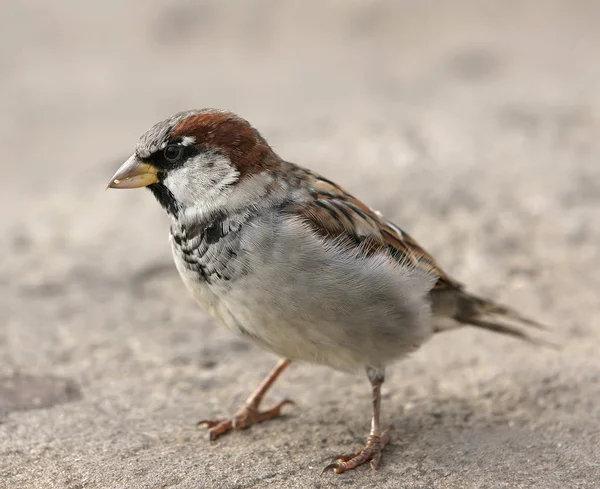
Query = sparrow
x=293 y=262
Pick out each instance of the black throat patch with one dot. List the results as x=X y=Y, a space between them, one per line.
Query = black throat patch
x=165 y=198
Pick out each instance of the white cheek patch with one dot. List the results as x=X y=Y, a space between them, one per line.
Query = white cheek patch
x=201 y=179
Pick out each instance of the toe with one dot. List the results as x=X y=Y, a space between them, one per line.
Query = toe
x=276 y=410
x=216 y=428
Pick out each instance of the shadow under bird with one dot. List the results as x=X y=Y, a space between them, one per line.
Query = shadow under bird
x=293 y=262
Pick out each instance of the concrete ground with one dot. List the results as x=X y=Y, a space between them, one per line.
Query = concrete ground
x=473 y=124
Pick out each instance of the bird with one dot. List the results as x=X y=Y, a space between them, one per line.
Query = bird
x=293 y=262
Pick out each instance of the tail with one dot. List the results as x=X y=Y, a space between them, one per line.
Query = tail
x=483 y=313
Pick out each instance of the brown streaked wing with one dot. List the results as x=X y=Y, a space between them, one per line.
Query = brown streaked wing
x=403 y=247
x=334 y=213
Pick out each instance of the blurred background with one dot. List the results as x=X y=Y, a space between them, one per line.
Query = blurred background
x=473 y=124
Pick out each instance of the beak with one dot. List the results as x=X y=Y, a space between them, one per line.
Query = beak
x=134 y=174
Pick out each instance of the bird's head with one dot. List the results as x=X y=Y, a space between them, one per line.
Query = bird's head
x=196 y=158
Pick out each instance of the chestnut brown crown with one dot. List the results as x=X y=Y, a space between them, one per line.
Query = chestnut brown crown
x=208 y=130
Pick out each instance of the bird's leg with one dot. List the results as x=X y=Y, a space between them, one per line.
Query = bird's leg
x=250 y=413
x=376 y=440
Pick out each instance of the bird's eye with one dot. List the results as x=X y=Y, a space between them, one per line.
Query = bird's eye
x=173 y=152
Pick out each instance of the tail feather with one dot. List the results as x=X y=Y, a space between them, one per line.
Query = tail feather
x=510 y=331
x=483 y=313
x=491 y=308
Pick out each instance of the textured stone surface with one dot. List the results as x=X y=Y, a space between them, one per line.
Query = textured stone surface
x=473 y=124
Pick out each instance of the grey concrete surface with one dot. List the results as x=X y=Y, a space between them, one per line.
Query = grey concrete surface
x=475 y=125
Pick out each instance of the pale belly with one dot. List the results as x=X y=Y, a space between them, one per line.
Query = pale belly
x=303 y=302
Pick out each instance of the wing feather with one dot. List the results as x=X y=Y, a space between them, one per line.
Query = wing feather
x=334 y=213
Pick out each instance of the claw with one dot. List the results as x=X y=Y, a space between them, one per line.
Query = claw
x=207 y=423
x=332 y=466
x=375 y=460
x=286 y=402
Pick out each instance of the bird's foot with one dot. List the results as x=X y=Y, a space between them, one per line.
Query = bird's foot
x=245 y=418
x=372 y=452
